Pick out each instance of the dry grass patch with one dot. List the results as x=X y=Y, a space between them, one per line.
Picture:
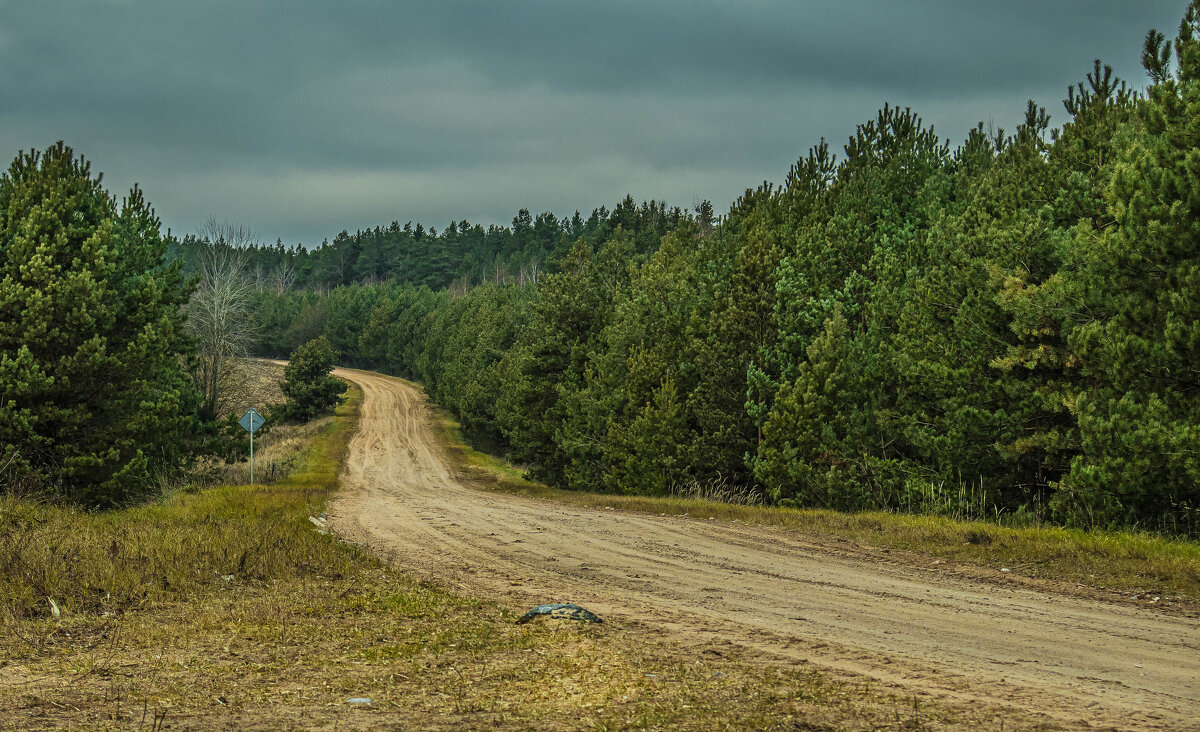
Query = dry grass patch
x=279 y=448
x=292 y=653
x=1125 y=565
x=277 y=453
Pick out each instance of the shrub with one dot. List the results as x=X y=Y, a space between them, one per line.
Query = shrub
x=310 y=389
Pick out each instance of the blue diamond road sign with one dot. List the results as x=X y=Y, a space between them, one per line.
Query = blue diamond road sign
x=251 y=421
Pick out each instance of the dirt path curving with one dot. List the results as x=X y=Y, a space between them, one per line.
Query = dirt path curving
x=717 y=586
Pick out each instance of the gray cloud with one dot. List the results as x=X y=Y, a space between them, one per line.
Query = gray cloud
x=305 y=118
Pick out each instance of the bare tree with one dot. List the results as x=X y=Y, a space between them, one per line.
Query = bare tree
x=284 y=275
x=227 y=234
x=219 y=310
x=500 y=272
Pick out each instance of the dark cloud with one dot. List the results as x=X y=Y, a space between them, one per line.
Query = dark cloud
x=304 y=118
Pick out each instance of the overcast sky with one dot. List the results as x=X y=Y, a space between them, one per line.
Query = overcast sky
x=300 y=119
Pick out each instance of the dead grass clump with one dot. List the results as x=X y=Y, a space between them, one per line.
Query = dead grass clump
x=975 y=536
x=249 y=382
x=719 y=490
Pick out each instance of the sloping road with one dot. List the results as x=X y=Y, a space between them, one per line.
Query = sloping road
x=714 y=585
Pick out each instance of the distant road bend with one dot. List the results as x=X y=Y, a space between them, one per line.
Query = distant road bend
x=713 y=584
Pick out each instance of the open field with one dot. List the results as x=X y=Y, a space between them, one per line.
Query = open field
x=727 y=587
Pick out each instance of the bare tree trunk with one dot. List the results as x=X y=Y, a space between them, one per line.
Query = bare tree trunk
x=528 y=272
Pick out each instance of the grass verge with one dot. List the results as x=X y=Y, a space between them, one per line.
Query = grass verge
x=191 y=543
x=1130 y=566
x=227 y=608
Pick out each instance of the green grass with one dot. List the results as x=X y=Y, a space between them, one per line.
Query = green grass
x=1121 y=564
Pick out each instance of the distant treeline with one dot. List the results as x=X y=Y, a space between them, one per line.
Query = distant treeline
x=1010 y=326
x=460 y=256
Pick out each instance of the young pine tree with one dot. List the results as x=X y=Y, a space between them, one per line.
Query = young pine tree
x=94 y=399
x=310 y=389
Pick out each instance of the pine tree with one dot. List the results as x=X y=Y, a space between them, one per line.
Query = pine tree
x=647 y=355
x=964 y=416
x=547 y=366
x=1139 y=346
x=652 y=454
x=798 y=460
x=865 y=232
x=310 y=388
x=93 y=396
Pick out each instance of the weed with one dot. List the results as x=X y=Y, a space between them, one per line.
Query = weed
x=719 y=490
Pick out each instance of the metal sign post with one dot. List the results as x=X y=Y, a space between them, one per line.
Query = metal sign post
x=251 y=421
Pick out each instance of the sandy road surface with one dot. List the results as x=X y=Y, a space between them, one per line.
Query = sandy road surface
x=715 y=586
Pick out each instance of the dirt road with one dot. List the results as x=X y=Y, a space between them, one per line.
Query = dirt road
x=717 y=586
